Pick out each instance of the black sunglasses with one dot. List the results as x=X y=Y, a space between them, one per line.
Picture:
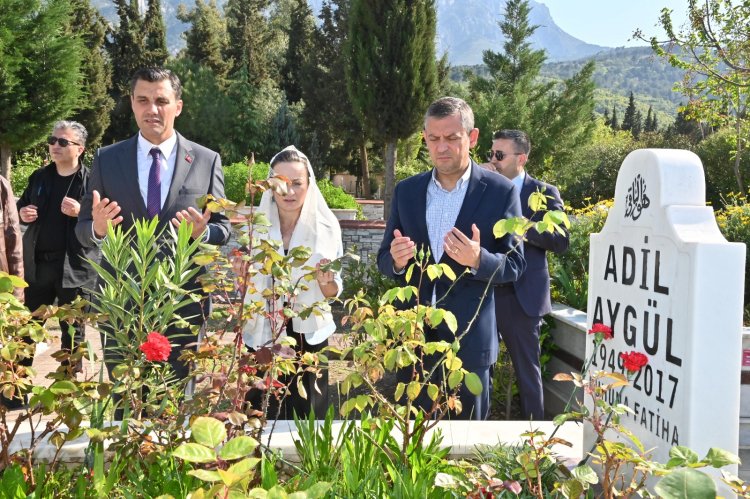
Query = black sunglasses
x=500 y=155
x=52 y=140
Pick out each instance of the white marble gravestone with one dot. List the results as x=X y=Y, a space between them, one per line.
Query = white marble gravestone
x=662 y=275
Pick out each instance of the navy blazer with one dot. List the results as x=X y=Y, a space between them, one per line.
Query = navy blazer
x=114 y=175
x=489 y=198
x=532 y=288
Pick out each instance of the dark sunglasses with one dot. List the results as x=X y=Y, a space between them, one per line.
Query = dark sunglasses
x=500 y=155
x=52 y=140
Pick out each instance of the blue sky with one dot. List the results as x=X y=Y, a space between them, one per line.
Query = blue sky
x=611 y=22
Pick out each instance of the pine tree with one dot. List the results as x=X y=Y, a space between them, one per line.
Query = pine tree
x=93 y=111
x=558 y=120
x=647 y=124
x=628 y=120
x=40 y=68
x=301 y=27
x=392 y=72
x=614 y=124
x=206 y=38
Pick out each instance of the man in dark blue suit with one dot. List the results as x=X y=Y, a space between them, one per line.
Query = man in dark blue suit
x=521 y=305
x=450 y=211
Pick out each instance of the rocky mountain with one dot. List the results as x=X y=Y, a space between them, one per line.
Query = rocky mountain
x=468 y=27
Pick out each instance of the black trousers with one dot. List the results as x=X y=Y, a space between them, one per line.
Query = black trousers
x=315 y=403
x=47 y=288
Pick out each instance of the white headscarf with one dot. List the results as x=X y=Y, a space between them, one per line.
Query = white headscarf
x=318 y=229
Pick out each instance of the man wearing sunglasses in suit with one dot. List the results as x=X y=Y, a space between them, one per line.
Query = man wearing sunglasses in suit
x=157 y=172
x=521 y=305
x=55 y=263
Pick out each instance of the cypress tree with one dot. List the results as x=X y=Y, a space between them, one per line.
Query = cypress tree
x=628 y=120
x=328 y=116
x=301 y=27
x=206 y=38
x=154 y=35
x=391 y=73
x=614 y=124
x=93 y=111
x=138 y=41
x=40 y=72
x=251 y=37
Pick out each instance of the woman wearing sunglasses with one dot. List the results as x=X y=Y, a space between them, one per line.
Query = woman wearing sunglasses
x=55 y=262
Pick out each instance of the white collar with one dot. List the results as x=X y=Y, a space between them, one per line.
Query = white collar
x=165 y=147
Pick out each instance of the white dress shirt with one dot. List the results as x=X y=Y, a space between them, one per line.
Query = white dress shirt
x=168 y=150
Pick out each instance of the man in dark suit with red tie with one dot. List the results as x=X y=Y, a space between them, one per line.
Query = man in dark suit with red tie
x=157 y=172
x=521 y=305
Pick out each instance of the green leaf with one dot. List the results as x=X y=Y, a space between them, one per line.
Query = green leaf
x=572 y=489
x=455 y=378
x=399 y=391
x=413 y=389
x=205 y=475
x=686 y=482
x=433 y=391
x=195 y=453
x=238 y=447
x=208 y=431
x=585 y=474
x=436 y=316
x=680 y=455
x=473 y=383
x=245 y=466
x=433 y=272
x=448 y=271
x=62 y=387
x=537 y=201
x=390 y=358
x=450 y=321
x=409 y=272
x=720 y=457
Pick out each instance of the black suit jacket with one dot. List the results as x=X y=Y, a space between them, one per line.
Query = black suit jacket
x=489 y=198
x=114 y=175
x=532 y=288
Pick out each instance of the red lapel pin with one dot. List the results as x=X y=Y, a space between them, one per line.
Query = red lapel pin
x=188 y=158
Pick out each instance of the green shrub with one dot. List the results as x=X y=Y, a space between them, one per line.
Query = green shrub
x=570 y=271
x=734 y=223
x=410 y=167
x=26 y=163
x=235 y=179
x=717 y=155
x=337 y=198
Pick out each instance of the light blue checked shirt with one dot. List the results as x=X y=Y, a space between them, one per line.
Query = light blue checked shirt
x=442 y=210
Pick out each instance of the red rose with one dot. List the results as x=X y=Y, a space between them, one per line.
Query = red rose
x=633 y=361
x=156 y=348
x=603 y=330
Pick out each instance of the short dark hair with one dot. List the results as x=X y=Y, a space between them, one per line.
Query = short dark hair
x=519 y=137
x=154 y=75
x=451 y=106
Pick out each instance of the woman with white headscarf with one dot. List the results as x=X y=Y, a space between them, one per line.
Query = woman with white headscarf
x=300 y=217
